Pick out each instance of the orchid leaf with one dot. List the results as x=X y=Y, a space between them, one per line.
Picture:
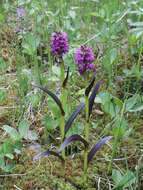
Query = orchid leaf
x=46 y=153
x=66 y=79
x=73 y=116
x=72 y=139
x=53 y=96
x=93 y=95
x=88 y=89
x=97 y=147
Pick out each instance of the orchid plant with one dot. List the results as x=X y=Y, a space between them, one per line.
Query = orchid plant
x=84 y=59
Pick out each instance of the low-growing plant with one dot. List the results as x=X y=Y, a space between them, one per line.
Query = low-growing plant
x=84 y=59
x=13 y=146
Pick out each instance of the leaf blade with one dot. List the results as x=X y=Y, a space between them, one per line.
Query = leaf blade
x=12 y=132
x=97 y=147
x=53 y=96
x=88 y=89
x=46 y=153
x=72 y=117
x=66 y=79
x=23 y=128
x=93 y=95
x=71 y=139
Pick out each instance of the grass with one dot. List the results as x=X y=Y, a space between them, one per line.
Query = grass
x=114 y=31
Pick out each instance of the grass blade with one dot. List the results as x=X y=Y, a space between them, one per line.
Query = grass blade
x=73 y=116
x=46 y=153
x=66 y=79
x=97 y=147
x=72 y=139
x=53 y=96
x=93 y=95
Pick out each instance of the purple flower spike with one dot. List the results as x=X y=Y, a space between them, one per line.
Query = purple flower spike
x=20 y=11
x=84 y=58
x=59 y=44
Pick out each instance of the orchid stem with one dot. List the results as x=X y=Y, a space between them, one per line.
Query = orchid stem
x=86 y=131
x=63 y=104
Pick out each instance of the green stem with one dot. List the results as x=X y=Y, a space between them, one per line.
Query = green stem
x=86 y=131
x=36 y=68
x=62 y=124
x=116 y=139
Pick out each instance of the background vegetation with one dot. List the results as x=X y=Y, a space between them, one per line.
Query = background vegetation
x=30 y=119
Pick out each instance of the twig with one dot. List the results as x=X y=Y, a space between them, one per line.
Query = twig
x=17 y=187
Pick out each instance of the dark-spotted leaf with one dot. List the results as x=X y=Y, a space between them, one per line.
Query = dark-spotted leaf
x=97 y=147
x=71 y=139
x=53 y=96
x=46 y=153
x=66 y=79
x=73 y=116
x=93 y=95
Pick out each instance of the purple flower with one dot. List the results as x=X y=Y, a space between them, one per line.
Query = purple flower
x=59 y=44
x=20 y=11
x=84 y=58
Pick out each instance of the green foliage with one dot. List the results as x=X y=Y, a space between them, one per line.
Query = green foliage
x=30 y=44
x=13 y=145
x=114 y=29
x=124 y=181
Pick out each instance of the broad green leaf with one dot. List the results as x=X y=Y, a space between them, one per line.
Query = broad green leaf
x=131 y=102
x=32 y=136
x=113 y=55
x=9 y=167
x=111 y=108
x=7 y=146
x=12 y=132
x=104 y=96
x=23 y=128
x=116 y=176
x=2 y=164
x=9 y=156
x=118 y=102
x=49 y=123
x=127 y=180
x=138 y=107
x=80 y=92
x=18 y=145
